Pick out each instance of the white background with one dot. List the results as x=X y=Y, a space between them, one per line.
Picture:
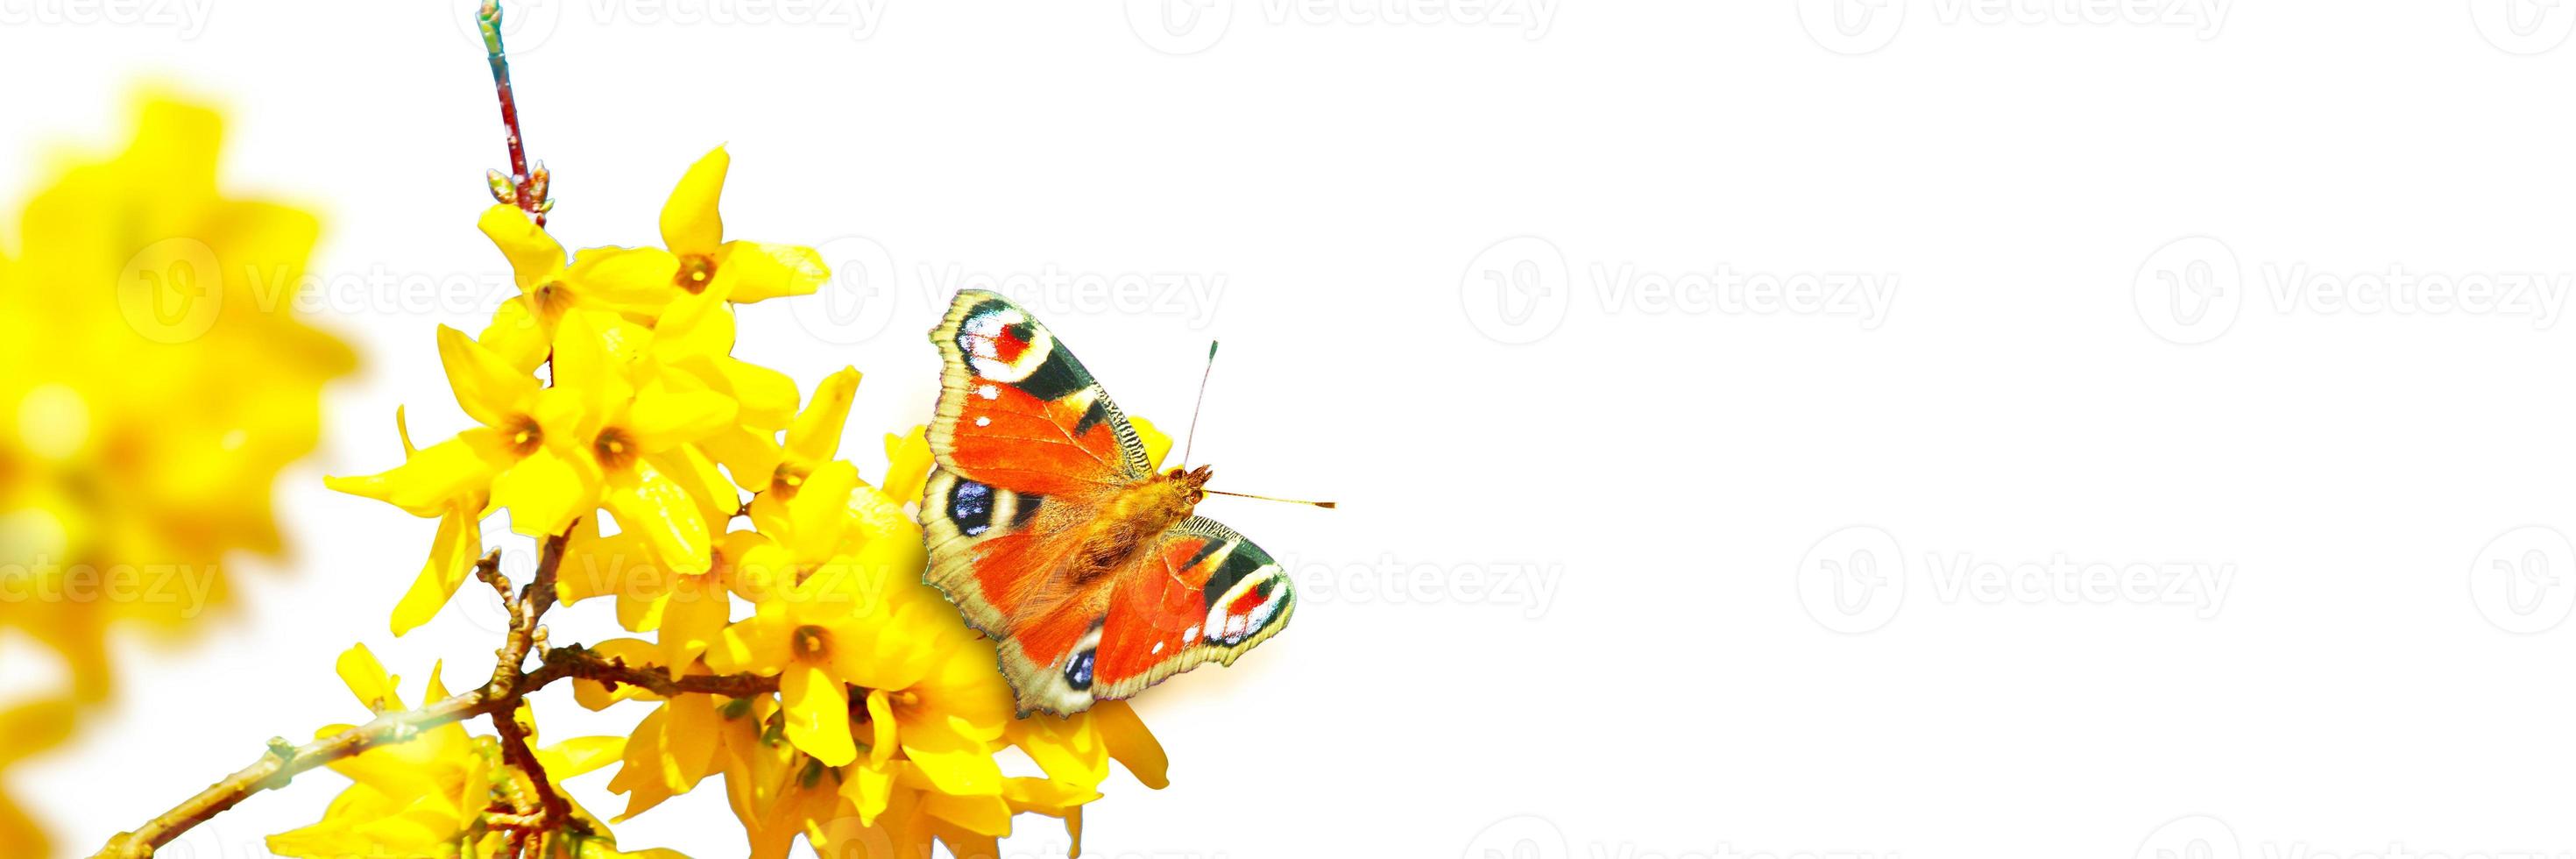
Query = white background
x=1682 y=467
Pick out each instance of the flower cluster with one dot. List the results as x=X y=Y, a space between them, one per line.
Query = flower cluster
x=680 y=482
x=157 y=380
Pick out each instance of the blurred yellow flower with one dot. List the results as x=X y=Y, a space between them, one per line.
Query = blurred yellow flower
x=157 y=379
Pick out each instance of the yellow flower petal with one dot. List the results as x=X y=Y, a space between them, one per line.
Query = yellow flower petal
x=818 y=714
x=534 y=256
x=638 y=278
x=1130 y=743
x=592 y=361
x=982 y=815
x=647 y=503
x=910 y=461
x=517 y=335
x=690 y=224
x=821 y=507
x=868 y=788
x=1046 y=796
x=579 y=755
x=881 y=723
x=749 y=458
x=641 y=777
x=760 y=271
x=486 y=384
x=816 y=435
x=690 y=745
x=661 y=419
x=544 y=492
x=432 y=477
x=451 y=555
x=1065 y=747
x=692 y=618
x=767 y=397
x=958 y=765
x=366 y=678
x=756 y=644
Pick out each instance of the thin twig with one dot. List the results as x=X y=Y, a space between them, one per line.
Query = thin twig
x=529 y=186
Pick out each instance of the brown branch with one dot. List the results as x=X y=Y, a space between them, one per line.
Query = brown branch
x=498 y=699
x=509 y=681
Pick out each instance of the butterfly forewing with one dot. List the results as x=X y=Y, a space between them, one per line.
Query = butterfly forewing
x=1018 y=410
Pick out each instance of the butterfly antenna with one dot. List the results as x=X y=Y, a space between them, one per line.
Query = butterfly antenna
x=1323 y=504
x=1192 y=439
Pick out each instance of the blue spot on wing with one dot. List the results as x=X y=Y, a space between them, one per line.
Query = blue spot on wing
x=971 y=505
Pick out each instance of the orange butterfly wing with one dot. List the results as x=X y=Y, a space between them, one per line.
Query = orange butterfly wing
x=1029 y=448
x=1018 y=411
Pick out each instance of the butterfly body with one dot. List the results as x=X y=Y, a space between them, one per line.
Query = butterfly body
x=1048 y=527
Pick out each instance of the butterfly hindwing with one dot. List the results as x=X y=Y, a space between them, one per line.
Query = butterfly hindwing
x=1017 y=410
x=1201 y=594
